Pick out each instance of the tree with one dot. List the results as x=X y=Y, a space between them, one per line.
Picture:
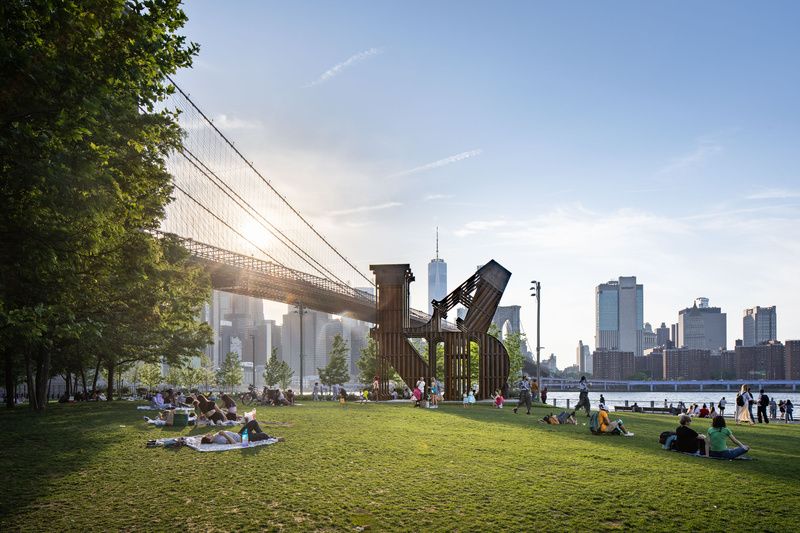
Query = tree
x=285 y=374
x=513 y=344
x=205 y=374
x=272 y=370
x=150 y=375
x=82 y=155
x=230 y=374
x=336 y=372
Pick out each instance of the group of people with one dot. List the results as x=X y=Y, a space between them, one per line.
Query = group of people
x=430 y=394
x=319 y=392
x=745 y=402
x=713 y=444
x=93 y=396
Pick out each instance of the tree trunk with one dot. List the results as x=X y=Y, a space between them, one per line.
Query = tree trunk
x=110 y=384
x=67 y=383
x=10 y=382
x=96 y=374
x=29 y=381
x=42 y=379
x=83 y=379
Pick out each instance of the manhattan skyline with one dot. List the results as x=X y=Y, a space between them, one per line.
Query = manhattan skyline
x=572 y=146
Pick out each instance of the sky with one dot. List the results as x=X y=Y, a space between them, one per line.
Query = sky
x=572 y=142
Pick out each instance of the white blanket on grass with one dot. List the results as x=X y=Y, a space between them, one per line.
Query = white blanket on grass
x=194 y=443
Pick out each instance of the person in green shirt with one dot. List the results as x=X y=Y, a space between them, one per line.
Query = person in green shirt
x=718 y=434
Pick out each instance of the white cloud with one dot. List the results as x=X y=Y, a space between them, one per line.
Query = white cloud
x=226 y=122
x=339 y=67
x=432 y=197
x=773 y=194
x=704 y=149
x=440 y=163
x=365 y=208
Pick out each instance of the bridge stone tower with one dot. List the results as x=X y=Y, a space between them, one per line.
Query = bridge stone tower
x=480 y=294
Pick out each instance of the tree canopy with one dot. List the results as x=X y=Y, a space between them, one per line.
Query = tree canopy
x=336 y=371
x=83 y=146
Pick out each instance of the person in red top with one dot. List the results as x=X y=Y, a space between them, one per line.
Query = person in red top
x=703 y=412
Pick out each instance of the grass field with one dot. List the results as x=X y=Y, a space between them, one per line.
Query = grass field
x=386 y=467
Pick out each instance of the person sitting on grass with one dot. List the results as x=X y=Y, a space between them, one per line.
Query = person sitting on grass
x=703 y=413
x=688 y=440
x=607 y=426
x=230 y=406
x=157 y=401
x=254 y=433
x=561 y=418
x=718 y=434
x=342 y=396
x=498 y=399
x=290 y=396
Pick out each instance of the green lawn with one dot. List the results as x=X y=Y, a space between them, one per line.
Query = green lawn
x=85 y=467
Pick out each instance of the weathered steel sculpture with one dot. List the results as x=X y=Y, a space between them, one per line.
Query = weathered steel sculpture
x=480 y=295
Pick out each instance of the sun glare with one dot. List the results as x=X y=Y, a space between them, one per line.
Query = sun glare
x=256 y=233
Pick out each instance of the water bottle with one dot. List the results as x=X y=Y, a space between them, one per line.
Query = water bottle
x=245 y=439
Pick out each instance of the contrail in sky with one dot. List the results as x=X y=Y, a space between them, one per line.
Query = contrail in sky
x=339 y=68
x=440 y=163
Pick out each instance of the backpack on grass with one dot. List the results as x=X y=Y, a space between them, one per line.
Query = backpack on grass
x=594 y=423
x=662 y=439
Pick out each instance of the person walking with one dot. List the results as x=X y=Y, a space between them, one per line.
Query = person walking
x=376 y=388
x=524 y=394
x=544 y=395
x=583 y=396
x=315 y=392
x=763 y=403
x=534 y=390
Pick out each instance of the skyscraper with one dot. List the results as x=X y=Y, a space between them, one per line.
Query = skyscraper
x=583 y=358
x=759 y=325
x=437 y=277
x=702 y=327
x=619 y=311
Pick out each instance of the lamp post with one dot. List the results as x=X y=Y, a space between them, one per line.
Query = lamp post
x=301 y=311
x=253 y=336
x=536 y=292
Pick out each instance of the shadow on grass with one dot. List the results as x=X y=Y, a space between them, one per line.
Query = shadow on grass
x=771 y=445
x=39 y=450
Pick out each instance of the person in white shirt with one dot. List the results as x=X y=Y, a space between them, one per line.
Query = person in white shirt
x=742 y=411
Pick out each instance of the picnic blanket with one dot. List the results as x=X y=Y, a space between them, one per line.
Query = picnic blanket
x=740 y=458
x=195 y=444
x=147 y=408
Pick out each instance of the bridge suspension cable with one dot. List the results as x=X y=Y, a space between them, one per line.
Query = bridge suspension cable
x=236 y=211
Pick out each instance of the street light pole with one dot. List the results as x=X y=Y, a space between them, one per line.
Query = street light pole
x=253 y=336
x=301 y=311
x=537 y=293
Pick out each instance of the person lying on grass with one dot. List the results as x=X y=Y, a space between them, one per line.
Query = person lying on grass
x=688 y=440
x=230 y=437
x=208 y=410
x=166 y=418
x=718 y=434
x=607 y=426
x=561 y=418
